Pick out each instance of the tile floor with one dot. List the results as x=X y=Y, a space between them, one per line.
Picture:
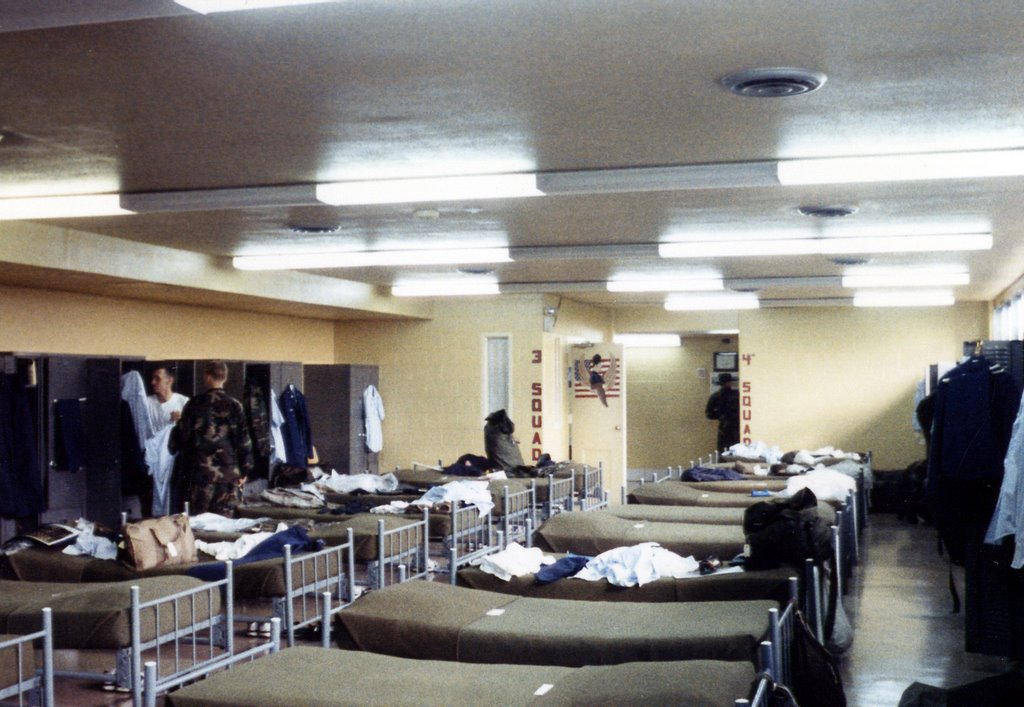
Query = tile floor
x=899 y=605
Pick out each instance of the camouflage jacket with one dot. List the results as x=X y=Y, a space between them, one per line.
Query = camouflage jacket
x=213 y=439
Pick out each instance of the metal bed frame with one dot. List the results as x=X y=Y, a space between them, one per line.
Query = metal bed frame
x=472 y=537
x=592 y=496
x=194 y=649
x=519 y=516
x=402 y=553
x=40 y=684
x=317 y=585
x=561 y=493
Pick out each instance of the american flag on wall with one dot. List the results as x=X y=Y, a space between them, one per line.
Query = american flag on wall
x=607 y=368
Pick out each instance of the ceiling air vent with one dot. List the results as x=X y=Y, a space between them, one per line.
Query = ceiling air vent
x=311 y=228
x=774 y=82
x=827 y=211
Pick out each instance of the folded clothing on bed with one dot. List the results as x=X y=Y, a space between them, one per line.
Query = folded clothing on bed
x=95 y=615
x=351 y=678
x=433 y=620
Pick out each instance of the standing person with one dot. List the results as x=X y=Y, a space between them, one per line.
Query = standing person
x=724 y=406
x=165 y=405
x=215 y=444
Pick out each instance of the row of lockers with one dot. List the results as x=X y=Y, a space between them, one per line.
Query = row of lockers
x=333 y=396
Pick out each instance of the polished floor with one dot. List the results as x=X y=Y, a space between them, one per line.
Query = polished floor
x=898 y=603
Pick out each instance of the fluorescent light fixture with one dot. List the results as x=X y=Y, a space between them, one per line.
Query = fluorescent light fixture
x=722 y=332
x=207 y=6
x=372 y=258
x=666 y=284
x=648 y=340
x=446 y=288
x=728 y=175
x=899 y=168
x=428 y=189
x=828 y=246
x=906 y=277
x=711 y=301
x=904 y=298
x=47 y=207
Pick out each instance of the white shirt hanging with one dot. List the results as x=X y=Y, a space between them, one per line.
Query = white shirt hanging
x=373 y=412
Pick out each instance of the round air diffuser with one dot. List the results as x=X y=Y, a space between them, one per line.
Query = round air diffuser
x=773 y=82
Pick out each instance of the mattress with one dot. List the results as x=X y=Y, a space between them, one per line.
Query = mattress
x=432 y=620
x=744 y=486
x=593 y=533
x=676 y=493
x=677 y=514
x=95 y=615
x=251 y=581
x=354 y=679
x=427 y=478
x=730 y=586
x=708 y=515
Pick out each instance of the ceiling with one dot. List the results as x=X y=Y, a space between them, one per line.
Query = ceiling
x=146 y=98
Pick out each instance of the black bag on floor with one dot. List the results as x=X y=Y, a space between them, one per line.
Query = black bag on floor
x=815 y=671
x=786 y=531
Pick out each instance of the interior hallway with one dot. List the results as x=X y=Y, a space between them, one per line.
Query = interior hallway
x=899 y=604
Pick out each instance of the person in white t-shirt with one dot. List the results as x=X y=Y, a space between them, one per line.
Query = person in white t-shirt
x=165 y=405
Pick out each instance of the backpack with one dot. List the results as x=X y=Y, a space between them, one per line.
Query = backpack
x=786 y=531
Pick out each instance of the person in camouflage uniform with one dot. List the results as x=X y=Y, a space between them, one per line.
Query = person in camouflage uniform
x=215 y=445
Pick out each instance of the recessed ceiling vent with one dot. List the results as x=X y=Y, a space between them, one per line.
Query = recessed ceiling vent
x=850 y=261
x=773 y=82
x=827 y=211
x=313 y=228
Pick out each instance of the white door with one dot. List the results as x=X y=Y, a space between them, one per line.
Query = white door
x=597 y=416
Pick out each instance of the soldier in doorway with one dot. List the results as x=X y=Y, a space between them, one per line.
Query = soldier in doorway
x=724 y=406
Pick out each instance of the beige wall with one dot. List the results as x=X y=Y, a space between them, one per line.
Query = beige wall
x=665 y=411
x=58 y=322
x=845 y=376
x=432 y=374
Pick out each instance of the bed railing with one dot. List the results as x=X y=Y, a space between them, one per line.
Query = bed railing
x=152 y=685
x=402 y=553
x=765 y=660
x=36 y=682
x=775 y=654
x=560 y=495
x=519 y=515
x=592 y=496
x=472 y=537
x=313 y=578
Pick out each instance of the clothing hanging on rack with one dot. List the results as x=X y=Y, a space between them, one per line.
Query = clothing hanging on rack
x=976 y=405
x=1008 y=518
x=298 y=438
x=21 y=489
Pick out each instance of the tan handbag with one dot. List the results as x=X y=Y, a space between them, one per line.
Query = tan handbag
x=159 y=541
